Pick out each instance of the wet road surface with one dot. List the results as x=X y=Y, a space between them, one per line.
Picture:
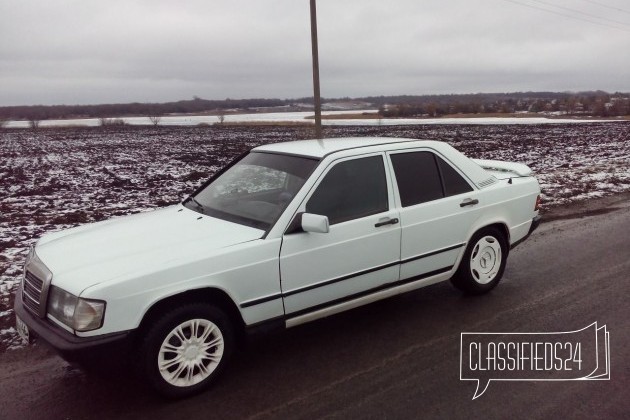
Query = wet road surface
x=397 y=358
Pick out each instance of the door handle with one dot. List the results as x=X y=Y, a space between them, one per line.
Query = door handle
x=468 y=202
x=386 y=222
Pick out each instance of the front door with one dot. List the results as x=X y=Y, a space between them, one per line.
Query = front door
x=359 y=254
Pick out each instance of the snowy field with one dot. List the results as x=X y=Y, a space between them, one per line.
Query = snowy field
x=56 y=178
x=301 y=117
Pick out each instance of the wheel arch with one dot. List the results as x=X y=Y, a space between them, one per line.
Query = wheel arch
x=210 y=295
x=500 y=226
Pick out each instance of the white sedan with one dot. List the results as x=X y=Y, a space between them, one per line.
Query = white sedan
x=286 y=234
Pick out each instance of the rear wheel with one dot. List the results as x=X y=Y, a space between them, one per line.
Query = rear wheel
x=483 y=262
x=186 y=349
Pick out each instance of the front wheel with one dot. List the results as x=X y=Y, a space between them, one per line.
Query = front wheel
x=483 y=262
x=186 y=349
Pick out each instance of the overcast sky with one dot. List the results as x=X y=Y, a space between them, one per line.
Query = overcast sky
x=82 y=52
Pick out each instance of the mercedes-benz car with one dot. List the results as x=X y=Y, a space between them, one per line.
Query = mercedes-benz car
x=286 y=234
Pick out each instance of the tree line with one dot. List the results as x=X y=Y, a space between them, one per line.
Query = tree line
x=596 y=103
x=108 y=111
x=599 y=103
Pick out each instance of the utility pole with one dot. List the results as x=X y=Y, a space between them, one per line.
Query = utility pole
x=316 y=94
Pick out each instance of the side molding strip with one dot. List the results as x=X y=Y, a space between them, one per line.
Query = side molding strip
x=368 y=292
x=265 y=299
x=432 y=253
x=258 y=301
x=338 y=279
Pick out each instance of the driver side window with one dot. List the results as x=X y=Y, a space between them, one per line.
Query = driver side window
x=350 y=190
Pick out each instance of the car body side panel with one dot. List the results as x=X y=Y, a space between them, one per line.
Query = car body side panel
x=318 y=268
x=509 y=204
x=247 y=272
x=434 y=233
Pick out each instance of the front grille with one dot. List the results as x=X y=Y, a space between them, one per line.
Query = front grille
x=32 y=292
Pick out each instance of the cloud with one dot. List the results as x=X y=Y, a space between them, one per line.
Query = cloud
x=71 y=51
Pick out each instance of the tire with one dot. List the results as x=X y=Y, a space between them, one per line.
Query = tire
x=483 y=263
x=186 y=350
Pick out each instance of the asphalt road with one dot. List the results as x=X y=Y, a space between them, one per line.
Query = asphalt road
x=398 y=358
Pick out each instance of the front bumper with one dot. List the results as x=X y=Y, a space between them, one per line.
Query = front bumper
x=535 y=223
x=66 y=343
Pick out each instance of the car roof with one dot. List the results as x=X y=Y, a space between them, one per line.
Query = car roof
x=323 y=147
x=318 y=149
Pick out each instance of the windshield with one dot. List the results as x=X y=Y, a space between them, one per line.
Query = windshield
x=255 y=191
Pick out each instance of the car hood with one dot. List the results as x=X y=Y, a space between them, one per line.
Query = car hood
x=130 y=245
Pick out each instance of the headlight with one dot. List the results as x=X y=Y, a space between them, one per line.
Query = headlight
x=77 y=313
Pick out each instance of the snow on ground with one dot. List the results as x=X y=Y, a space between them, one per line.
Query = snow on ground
x=190 y=120
x=460 y=121
x=301 y=117
x=55 y=178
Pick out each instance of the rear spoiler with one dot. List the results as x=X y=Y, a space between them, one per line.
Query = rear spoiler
x=499 y=165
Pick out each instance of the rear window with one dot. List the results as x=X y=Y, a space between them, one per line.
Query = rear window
x=424 y=176
x=454 y=183
x=418 y=177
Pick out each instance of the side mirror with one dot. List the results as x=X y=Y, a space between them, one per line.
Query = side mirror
x=315 y=223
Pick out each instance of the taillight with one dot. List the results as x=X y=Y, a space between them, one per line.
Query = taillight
x=538 y=201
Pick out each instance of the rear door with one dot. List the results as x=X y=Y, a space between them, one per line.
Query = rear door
x=437 y=208
x=360 y=253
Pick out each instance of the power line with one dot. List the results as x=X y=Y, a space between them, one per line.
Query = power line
x=607 y=6
x=581 y=13
x=566 y=16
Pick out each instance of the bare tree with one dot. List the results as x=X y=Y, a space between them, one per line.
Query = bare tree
x=155 y=119
x=34 y=122
x=111 y=122
x=221 y=117
x=3 y=122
